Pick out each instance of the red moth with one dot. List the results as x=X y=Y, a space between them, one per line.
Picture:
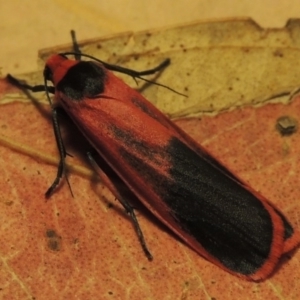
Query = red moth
x=208 y=207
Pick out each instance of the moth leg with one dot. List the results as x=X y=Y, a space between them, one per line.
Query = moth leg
x=127 y=206
x=134 y=73
x=60 y=145
x=24 y=86
x=61 y=169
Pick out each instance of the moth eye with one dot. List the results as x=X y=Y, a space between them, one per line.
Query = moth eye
x=47 y=73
